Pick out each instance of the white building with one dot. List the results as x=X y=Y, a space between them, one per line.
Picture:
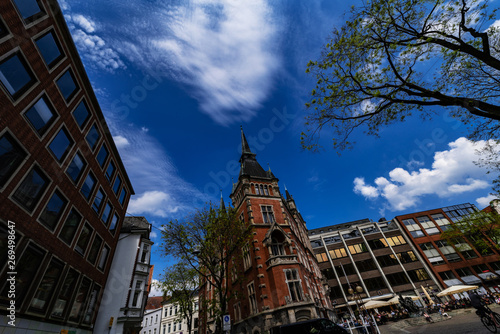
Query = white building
x=151 y=321
x=125 y=295
x=171 y=323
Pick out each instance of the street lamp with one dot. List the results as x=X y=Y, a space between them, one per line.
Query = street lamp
x=356 y=295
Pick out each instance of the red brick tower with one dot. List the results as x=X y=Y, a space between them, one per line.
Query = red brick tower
x=282 y=281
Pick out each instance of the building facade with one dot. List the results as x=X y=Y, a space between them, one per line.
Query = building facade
x=151 y=323
x=453 y=263
x=281 y=280
x=375 y=256
x=63 y=187
x=173 y=323
x=126 y=292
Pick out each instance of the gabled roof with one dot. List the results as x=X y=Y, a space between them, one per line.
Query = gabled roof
x=154 y=303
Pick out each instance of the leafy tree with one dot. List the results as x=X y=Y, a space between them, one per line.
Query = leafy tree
x=396 y=58
x=489 y=157
x=179 y=283
x=208 y=241
x=481 y=229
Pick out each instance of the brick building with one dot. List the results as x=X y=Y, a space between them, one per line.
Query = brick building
x=373 y=255
x=63 y=187
x=282 y=282
x=457 y=263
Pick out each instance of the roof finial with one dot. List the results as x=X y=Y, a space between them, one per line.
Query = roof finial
x=222 y=205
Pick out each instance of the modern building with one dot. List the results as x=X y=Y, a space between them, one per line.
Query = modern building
x=376 y=257
x=63 y=187
x=126 y=291
x=152 y=316
x=282 y=282
x=453 y=263
x=173 y=323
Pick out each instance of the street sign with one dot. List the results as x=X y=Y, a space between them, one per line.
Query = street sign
x=226 y=323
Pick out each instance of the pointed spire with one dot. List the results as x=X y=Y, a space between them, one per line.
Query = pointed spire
x=245 y=148
x=222 y=205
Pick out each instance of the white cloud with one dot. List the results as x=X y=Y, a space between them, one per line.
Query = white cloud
x=485 y=201
x=160 y=191
x=156 y=203
x=85 y=23
x=453 y=172
x=91 y=46
x=224 y=52
x=155 y=290
x=121 y=142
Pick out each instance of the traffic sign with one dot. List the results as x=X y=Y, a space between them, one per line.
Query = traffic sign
x=226 y=322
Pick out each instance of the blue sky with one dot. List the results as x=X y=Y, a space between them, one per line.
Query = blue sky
x=176 y=79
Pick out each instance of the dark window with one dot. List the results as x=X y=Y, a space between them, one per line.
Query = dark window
x=53 y=211
x=110 y=171
x=41 y=115
x=347 y=268
x=76 y=167
x=31 y=189
x=26 y=268
x=62 y=302
x=61 y=145
x=397 y=279
x=377 y=244
x=446 y=275
x=30 y=10
x=94 y=249
x=3 y=30
x=98 y=200
x=376 y=283
x=83 y=239
x=407 y=257
x=469 y=254
x=103 y=258
x=46 y=287
x=464 y=272
x=70 y=226
x=91 y=309
x=418 y=275
x=93 y=137
x=106 y=213
x=81 y=114
x=481 y=268
x=114 y=222
x=15 y=75
x=49 y=48
x=495 y=265
x=117 y=185
x=328 y=273
x=366 y=265
x=387 y=260
x=80 y=299
x=102 y=156
x=123 y=195
x=88 y=186
x=267 y=214
x=11 y=157
x=67 y=85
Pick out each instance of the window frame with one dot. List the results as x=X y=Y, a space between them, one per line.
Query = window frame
x=43 y=189
x=18 y=94
x=18 y=150
x=67 y=149
x=42 y=131
x=60 y=213
x=53 y=64
x=74 y=92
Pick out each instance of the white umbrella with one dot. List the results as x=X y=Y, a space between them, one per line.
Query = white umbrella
x=395 y=299
x=456 y=289
x=375 y=303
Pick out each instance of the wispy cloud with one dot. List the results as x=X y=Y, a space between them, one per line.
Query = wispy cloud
x=224 y=52
x=159 y=190
x=453 y=172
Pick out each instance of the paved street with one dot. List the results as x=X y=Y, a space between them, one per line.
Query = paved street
x=467 y=323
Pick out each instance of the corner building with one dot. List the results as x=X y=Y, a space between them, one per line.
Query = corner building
x=373 y=255
x=282 y=281
x=456 y=262
x=63 y=187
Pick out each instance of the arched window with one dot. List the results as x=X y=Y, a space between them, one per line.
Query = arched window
x=266 y=191
x=256 y=187
x=277 y=247
x=261 y=189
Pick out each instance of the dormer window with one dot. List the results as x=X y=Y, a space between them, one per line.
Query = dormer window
x=277 y=247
